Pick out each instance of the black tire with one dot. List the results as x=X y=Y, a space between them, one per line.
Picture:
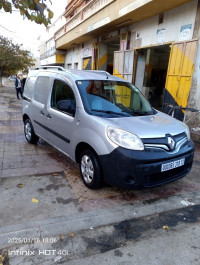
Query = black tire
x=90 y=169
x=29 y=133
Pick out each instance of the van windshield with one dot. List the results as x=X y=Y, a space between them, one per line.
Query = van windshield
x=113 y=99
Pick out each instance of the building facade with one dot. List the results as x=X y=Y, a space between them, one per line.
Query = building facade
x=48 y=53
x=152 y=43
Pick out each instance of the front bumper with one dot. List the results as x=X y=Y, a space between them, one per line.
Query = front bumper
x=130 y=169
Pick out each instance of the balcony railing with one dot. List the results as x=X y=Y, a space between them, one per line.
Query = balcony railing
x=48 y=53
x=87 y=11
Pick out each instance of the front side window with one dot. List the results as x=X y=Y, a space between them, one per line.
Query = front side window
x=113 y=99
x=62 y=98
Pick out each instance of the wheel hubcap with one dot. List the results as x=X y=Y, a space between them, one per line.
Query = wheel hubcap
x=28 y=131
x=87 y=169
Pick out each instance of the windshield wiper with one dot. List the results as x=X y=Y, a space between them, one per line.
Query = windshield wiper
x=142 y=113
x=109 y=112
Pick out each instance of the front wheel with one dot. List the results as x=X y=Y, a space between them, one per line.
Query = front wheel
x=29 y=133
x=90 y=169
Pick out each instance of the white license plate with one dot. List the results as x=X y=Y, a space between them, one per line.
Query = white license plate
x=171 y=165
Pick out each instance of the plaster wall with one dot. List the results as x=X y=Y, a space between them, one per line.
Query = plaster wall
x=174 y=19
x=75 y=55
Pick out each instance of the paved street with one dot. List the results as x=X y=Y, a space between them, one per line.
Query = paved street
x=42 y=196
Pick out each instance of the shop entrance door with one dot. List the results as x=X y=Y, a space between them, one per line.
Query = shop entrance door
x=123 y=64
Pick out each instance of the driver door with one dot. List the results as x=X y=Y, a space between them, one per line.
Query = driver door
x=61 y=120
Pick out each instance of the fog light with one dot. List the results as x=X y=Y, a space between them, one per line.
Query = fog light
x=129 y=180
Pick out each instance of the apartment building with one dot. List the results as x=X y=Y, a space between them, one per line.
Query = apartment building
x=152 y=43
x=48 y=53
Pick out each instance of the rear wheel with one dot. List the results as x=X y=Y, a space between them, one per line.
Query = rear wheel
x=90 y=169
x=29 y=133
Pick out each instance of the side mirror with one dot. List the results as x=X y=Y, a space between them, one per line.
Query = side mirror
x=67 y=105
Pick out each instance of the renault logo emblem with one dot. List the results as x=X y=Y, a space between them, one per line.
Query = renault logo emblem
x=171 y=143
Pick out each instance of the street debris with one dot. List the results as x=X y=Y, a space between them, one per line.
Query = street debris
x=61 y=237
x=35 y=200
x=197 y=129
x=20 y=185
x=1 y=259
x=166 y=227
x=71 y=234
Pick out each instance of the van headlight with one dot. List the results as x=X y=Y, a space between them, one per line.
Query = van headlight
x=187 y=130
x=125 y=139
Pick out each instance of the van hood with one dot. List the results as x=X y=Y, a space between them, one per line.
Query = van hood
x=152 y=126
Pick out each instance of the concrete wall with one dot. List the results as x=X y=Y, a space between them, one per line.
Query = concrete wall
x=146 y=30
x=194 y=98
x=76 y=54
x=72 y=58
x=103 y=51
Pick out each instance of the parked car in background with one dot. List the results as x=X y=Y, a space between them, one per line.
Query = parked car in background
x=107 y=126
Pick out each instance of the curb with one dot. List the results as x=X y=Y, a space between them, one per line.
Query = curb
x=90 y=220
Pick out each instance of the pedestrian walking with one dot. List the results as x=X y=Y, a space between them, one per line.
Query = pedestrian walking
x=18 y=87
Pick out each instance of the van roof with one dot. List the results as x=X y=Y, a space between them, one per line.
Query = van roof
x=77 y=74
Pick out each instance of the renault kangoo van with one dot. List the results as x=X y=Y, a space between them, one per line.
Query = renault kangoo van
x=107 y=126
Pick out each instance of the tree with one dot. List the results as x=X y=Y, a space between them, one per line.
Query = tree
x=34 y=10
x=13 y=58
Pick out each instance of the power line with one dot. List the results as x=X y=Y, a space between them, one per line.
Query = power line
x=7 y=29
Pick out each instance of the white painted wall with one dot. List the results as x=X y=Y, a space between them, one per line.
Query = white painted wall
x=77 y=53
x=73 y=57
x=173 y=20
x=49 y=60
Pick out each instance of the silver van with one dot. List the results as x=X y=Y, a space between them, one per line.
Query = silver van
x=106 y=125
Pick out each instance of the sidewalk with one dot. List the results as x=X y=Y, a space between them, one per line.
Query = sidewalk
x=42 y=195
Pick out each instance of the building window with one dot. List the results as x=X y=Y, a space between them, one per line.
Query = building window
x=63 y=98
x=161 y=18
x=42 y=89
x=75 y=65
x=69 y=66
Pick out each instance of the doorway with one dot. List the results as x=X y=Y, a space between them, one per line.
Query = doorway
x=87 y=63
x=151 y=72
x=106 y=53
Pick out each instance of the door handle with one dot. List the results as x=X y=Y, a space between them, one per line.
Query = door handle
x=48 y=116
x=42 y=113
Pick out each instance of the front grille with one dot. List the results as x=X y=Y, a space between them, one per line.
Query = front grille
x=162 y=143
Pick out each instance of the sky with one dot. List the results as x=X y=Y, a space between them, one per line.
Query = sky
x=24 y=31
